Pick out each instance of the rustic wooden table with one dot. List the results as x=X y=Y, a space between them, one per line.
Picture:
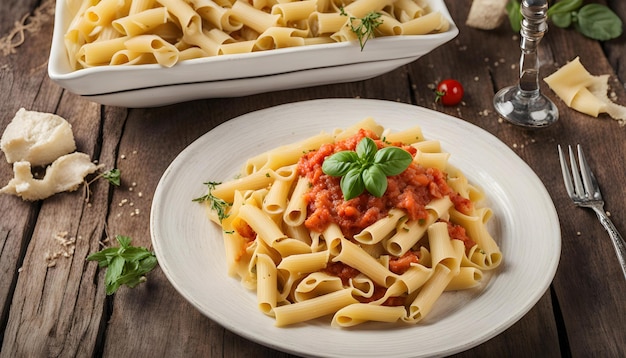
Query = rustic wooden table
x=62 y=311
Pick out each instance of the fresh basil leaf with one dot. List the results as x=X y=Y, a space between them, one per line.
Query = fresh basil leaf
x=104 y=257
x=134 y=272
x=114 y=270
x=132 y=254
x=562 y=20
x=514 y=12
x=123 y=240
x=564 y=6
x=392 y=160
x=598 y=22
x=130 y=280
x=366 y=149
x=146 y=265
x=352 y=184
x=111 y=288
x=340 y=163
x=375 y=180
x=126 y=265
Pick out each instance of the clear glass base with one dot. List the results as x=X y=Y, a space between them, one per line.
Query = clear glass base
x=532 y=110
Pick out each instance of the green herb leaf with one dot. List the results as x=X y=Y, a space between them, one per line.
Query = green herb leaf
x=340 y=163
x=364 y=27
x=595 y=21
x=393 y=160
x=375 y=180
x=125 y=265
x=598 y=22
x=216 y=204
x=564 y=6
x=514 y=12
x=366 y=149
x=124 y=241
x=113 y=176
x=352 y=184
x=367 y=168
x=562 y=20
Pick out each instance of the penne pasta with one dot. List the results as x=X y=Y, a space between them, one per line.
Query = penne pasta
x=248 y=26
x=290 y=235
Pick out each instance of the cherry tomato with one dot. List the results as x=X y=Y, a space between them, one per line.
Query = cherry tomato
x=449 y=92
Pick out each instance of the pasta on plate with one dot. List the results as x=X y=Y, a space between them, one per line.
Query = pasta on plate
x=291 y=236
x=126 y=32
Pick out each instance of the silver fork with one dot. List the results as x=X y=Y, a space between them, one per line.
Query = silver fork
x=582 y=187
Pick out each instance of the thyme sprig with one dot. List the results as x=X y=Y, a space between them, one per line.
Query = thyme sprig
x=216 y=204
x=364 y=27
x=113 y=176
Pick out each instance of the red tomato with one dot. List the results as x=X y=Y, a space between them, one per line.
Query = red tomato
x=449 y=92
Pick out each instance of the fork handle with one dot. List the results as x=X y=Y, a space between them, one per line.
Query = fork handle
x=616 y=238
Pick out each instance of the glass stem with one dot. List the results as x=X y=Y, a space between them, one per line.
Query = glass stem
x=533 y=27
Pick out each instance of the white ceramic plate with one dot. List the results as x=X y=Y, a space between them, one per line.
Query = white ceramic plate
x=237 y=75
x=525 y=224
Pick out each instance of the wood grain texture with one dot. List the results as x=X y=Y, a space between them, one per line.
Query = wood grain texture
x=62 y=310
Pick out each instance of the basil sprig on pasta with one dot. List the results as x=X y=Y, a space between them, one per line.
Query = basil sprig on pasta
x=367 y=168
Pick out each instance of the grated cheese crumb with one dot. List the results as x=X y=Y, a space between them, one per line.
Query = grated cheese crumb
x=67 y=249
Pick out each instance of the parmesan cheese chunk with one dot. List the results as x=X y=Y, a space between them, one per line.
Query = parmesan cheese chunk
x=584 y=92
x=486 y=14
x=36 y=137
x=65 y=174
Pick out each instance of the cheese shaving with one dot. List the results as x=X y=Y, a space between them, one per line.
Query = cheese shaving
x=583 y=91
x=64 y=174
x=36 y=137
x=486 y=14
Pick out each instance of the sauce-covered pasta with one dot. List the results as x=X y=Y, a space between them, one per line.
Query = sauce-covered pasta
x=291 y=236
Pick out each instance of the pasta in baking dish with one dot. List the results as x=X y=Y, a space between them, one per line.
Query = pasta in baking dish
x=124 y=32
x=291 y=236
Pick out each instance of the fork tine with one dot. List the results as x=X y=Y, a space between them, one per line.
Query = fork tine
x=591 y=185
x=578 y=184
x=567 y=177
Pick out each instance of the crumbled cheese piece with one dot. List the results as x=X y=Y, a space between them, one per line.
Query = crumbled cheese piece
x=65 y=174
x=584 y=92
x=36 y=137
x=486 y=14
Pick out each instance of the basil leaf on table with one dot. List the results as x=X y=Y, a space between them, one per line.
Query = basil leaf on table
x=125 y=265
x=514 y=11
x=595 y=21
x=562 y=19
x=564 y=6
x=598 y=22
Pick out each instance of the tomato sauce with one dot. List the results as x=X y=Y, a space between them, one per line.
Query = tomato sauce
x=410 y=191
